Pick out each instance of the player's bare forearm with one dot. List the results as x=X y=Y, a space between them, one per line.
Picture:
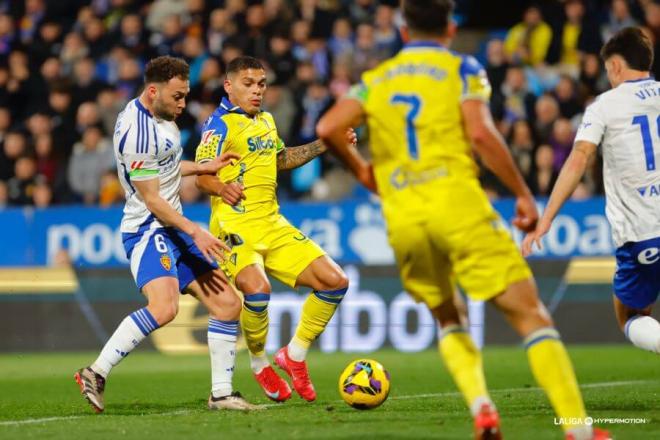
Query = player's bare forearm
x=293 y=157
x=189 y=168
x=160 y=208
x=569 y=178
x=332 y=127
x=209 y=184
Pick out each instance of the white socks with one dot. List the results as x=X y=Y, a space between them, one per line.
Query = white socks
x=132 y=330
x=644 y=332
x=258 y=363
x=297 y=352
x=222 y=337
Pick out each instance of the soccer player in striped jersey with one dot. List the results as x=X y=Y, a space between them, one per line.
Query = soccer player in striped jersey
x=169 y=254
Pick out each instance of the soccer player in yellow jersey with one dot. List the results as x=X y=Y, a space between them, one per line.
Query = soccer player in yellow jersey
x=426 y=110
x=245 y=213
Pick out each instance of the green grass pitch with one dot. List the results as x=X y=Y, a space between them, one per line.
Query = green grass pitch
x=155 y=396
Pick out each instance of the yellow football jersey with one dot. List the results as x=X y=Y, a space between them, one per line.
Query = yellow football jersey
x=255 y=139
x=416 y=134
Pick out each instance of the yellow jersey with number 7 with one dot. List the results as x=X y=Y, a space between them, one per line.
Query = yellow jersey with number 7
x=412 y=102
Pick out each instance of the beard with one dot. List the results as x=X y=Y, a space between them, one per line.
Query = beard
x=161 y=113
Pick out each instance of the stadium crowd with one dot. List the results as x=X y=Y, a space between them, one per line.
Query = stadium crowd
x=67 y=67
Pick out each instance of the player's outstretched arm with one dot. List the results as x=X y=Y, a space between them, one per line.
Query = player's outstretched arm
x=331 y=129
x=211 y=247
x=294 y=157
x=569 y=178
x=490 y=146
x=190 y=168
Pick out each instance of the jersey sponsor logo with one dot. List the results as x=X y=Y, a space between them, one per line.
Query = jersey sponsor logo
x=166 y=262
x=649 y=256
x=256 y=143
x=649 y=191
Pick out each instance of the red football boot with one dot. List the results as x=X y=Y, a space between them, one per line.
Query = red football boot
x=298 y=373
x=273 y=385
x=487 y=424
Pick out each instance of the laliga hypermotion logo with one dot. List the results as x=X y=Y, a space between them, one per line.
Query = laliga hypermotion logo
x=136 y=164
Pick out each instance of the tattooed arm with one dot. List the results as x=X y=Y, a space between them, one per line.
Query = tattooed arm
x=290 y=158
x=293 y=157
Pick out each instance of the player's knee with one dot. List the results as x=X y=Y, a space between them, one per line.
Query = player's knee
x=256 y=285
x=164 y=312
x=334 y=280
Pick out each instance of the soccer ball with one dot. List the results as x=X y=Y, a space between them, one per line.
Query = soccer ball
x=364 y=384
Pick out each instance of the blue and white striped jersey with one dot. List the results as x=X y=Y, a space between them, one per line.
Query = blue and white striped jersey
x=146 y=148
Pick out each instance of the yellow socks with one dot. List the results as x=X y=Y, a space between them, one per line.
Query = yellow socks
x=553 y=371
x=463 y=360
x=254 y=321
x=318 y=309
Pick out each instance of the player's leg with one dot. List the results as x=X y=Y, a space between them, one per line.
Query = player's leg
x=296 y=260
x=547 y=356
x=638 y=325
x=329 y=284
x=426 y=275
x=215 y=292
x=155 y=274
x=253 y=282
x=636 y=287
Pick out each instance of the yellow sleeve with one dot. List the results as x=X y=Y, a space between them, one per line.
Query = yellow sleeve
x=214 y=137
x=512 y=39
x=540 y=43
x=475 y=81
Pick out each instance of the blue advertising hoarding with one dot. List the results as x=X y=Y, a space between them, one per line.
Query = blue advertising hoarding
x=352 y=232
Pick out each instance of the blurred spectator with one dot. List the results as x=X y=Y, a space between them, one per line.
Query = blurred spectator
x=110 y=192
x=35 y=11
x=5 y=123
x=561 y=141
x=522 y=146
x=280 y=59
x=96 y=37
x=42 y=195
x=91 y=158
x=73 y=50
x=257 y=40
x=546 y=176
x=167 y=41
x=341 y=41
x=279 y=102
x=496 y=64
x=618 y=17
x=514 y=101
x=4 y=195
x=319 y=19
x=195 y=54
x=362 y=11
x=46 y=161
x=341 y=80
x=21 y=186
x=133 y=36
x=47 y=44
x=386 y=35
x=7 y=34
x=109 y=104
x=576 y=35
x=528 y=41
x=652 y=15
x=15 y=146
x=86 y=86
x=366 y=55
x=566 y=95
x=547 y=112
x=593 y=79
x=220 y=28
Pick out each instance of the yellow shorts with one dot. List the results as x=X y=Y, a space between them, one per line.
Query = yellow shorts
x=464 y=244
x=271 y=242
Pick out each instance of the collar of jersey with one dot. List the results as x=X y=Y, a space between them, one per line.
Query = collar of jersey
x=227 y=106
x=648 y=78
x=424 y=44
x=142 y=108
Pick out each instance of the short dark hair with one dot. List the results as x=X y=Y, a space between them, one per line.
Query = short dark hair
x=242 y=63
x=164 y=68
x=428 y=16
x=633 y=46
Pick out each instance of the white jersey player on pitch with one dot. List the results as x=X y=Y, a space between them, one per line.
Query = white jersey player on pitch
x=169 y=254
x=625 y=121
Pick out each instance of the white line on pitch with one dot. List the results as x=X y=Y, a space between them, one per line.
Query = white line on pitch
x=416 y=396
